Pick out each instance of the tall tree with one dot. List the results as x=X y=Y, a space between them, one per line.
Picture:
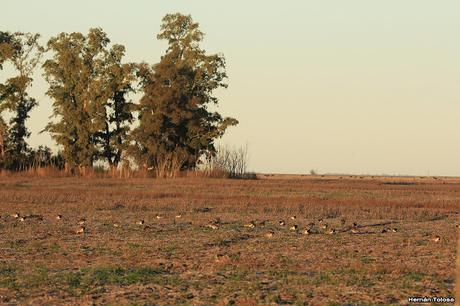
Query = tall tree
x=89 y=84
x=175 y=124
x=78 y=78
x=6 y=51
x=24 y=52
x=116 y=113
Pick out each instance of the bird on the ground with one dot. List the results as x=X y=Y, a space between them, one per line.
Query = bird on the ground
x=436 y=238
x=179 y=215
x=394 y=229
x=59 y=217
x=116 y=224
x=216 y=220
x=281 y=222
x=22 y=219
x=270 y=234
x=354 y=231
x=294 y=227
x=158 y=217
x=331 y=231
x=324 y=226
x=213 y=226
x=15 y=215
x=383 y=231
x=140 y=222
x=307 y=231
x=320 y=220
x=293 y=217
x=250 y=224
x=81 y=230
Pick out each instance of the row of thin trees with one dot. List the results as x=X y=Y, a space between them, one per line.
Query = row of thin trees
x=93 y=116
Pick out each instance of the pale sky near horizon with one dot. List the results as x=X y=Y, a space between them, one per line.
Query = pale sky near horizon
x=357 y=86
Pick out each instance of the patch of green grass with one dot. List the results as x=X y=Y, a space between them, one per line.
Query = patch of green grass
x=414 y=276
x=325 y=277
x=238 y=275
x=73 y=280
x=36 y=278
x=8 y=276
x=120 y=276
x=411 y=280
x=55 y=247
x=17 y=244
x=366 y=260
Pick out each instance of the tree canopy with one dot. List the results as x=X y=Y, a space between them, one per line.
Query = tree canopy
x=176 y=126
x=24 y=52
x=88 y=84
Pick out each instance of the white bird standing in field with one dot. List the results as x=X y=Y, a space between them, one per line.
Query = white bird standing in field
x=140 y=222
x=22 y=219
x=179 y=215
x=437 y=238
x=158 y=217
x=307 y=231
x=81 y=230
x=15 y=215
x=213 y=226
x=331 y=231
x=281 y=222
x=250 y=225
x=116 y=224
x=293 y=217
x=294 y=227
x=59 y=217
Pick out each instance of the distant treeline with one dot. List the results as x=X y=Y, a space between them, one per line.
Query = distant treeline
x=92 y=119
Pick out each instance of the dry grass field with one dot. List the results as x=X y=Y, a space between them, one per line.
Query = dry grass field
x=172 y=260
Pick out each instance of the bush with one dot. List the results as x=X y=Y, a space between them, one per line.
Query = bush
x=229 y=162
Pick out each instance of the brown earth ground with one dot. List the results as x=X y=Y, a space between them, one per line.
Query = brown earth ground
x=181 y=261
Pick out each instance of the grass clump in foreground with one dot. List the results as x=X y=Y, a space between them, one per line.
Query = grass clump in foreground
x=86 y=279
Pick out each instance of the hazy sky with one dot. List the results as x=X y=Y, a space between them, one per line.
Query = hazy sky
x=356 y=86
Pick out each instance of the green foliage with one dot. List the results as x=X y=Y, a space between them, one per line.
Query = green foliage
x=6 y=47
x=88 y=84
x=116 y=113
x=72 y=75
x=176 y=127
x=24 y=52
